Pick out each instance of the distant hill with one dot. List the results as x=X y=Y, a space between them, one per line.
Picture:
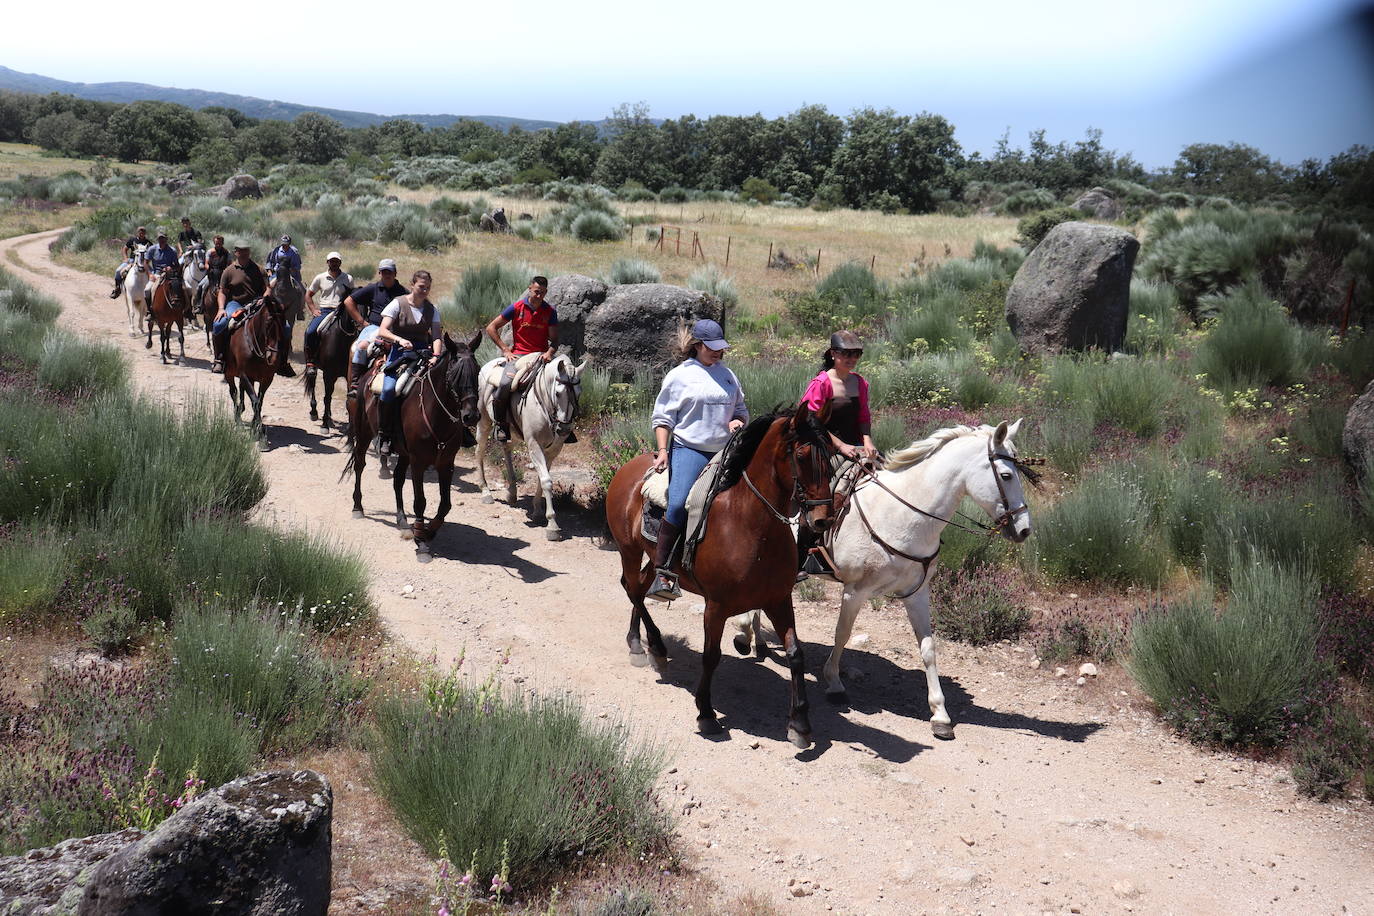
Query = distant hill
x=253 y=107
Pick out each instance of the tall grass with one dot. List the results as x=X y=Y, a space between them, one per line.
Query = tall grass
x=504 y=776
x=33 y=568
x=1252 y=345
x=711 y=279
x=483 y=292
x=1241 y=677
x=768 y=386
x=633 y=270
x=1142 y=396
x=1156 y=319
x=1100 y=532
x=77 y=367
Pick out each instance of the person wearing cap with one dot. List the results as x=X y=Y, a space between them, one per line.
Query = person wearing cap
x=163 y=260
x=241 y=283
x=365 y=307
x=700 y=404
x=188 y=236
x=284 y=255
x=849 y=423
x=534 y=329
x=332 y=287
x=410 y=323
x=131 y=245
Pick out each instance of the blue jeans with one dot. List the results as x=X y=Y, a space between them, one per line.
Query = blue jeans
x=312 y=330
x=684 y=465
x=231 y=308
x=360 y=345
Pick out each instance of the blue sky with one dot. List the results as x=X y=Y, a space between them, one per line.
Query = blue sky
x=1292 y=77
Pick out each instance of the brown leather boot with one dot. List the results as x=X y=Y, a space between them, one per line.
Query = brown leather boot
x=664 y=587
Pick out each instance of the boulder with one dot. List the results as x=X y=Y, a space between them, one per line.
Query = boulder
x=1074 y=291
x=486 y=223
x=258 y=845
x=498 y=216
x=636 y=327
x=52 y=880
x=1099 y=203
x=1357 y=439
x=239 y=187
x=227 y=212
x=575 y=297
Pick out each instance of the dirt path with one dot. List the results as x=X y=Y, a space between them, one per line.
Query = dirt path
x=1052 y=797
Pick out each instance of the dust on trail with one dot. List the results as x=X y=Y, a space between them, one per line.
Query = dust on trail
x=1051 y=797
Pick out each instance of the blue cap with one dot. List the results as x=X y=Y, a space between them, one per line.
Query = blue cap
x=710 y=333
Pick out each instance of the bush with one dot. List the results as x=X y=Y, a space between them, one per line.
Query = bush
x=617 y=440
x=1080 y=631
x=72 y=366
x=1304 y=526
x=711 y=279
x=1100 y=533
x=633 y=270
x=1029 y=201
x=510 y=780
x=1239 y=678
x=1156 y=320
x=889 y=432
x=1143 y=397
x=1069 y=439
x=33 y=568
x=979 y=607
x=1031 y=230
x=595 y=226
x=19 y=299
x=113 y=629
x=422 y=235
x=768 y=386
x=1330 y=751
x=483 y=292
x=1252 y=344
x=758 y=189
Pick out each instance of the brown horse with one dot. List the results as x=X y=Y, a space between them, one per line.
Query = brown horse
x=435 y=419
x=748 y=557
x=251 y=356
x=208 y=308
x=331 y=360
x=169 y=310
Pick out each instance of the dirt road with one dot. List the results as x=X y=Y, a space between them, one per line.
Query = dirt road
x=1052 y=797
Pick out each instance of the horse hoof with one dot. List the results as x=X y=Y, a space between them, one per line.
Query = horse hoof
x=741 y=643
x=838 y=697
x=943 y=730
x=760 y=650
x=148 y=345
x=488 y=499
x=708 y=725
x=639 y=659
x=423 y=556
x=553 y=534
x=799 y=739
x=358 y=513
x=314 y=415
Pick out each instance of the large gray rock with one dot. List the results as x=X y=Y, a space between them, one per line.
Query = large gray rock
x=46 y=882
x=1357 y=439
x=1099 y=203
x=575 y=297
x=257 y=846
x=637 y=326
x=1074 y=291
x=239 y=187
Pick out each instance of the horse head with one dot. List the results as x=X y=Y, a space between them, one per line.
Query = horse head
x=996 y=485
x=461 y=376
x=805 y=459
x=565 y=390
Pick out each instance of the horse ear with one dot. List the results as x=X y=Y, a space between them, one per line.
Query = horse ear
x=475 y=343
x=1000 y=435
x=449 y=343
x=577 y=373
x=1014 y=428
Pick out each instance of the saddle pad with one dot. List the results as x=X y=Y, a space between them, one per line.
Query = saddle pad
x=655 y=492
x=378 y=379
x=655 y=488
x=328 y=321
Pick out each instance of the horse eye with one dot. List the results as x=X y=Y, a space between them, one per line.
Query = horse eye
x=1006 y=475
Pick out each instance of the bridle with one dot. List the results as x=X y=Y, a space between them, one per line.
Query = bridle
x=820 y=466
x=560 y=425
x=451 y=384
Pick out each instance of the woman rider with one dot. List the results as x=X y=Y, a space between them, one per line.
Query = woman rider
x=700 y=404
x=409 y=322
x=849 y=424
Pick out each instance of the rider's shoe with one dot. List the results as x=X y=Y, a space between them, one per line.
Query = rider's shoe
x=803 y=575
x=286 y=371
x=217 y=367
x=665 y=587
x=817 y=565
x=384 y=446
x=114 y=294
x=572 y=437
x=502 y=433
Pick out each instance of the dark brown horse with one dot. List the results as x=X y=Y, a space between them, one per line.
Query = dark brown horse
x=169 y=310
x=251 y=356
x=775 y=467
x=435 y=419
x=331 y=360
x=208 y=308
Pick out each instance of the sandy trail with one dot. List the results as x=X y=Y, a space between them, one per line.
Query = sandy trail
x=1051 y=798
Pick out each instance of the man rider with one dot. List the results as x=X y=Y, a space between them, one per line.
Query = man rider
x=216 y=259
x=138 y=240
x=284 y=255
x=365 y=307
x=162 y=263
x=188 y=236
x=241 y=283
x=332 y=286
x=534 y=329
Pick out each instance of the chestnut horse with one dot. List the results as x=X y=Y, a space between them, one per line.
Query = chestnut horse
x=435 y=419
x=169 y=310
x=331 y=360
x=748 y=556
x=251 y=356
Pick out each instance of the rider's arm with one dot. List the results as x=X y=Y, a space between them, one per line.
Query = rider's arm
x=384 y=332
x=351 y=307
x=494 y=332
x=310 y=298
x=552 y=351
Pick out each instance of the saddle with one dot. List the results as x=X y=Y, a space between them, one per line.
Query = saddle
x=240 y=317
x=408 y=368
x=655 y=492
x=343 y=322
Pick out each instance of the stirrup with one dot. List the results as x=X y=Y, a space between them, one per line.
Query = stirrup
x=664 y=587
x=818 y=564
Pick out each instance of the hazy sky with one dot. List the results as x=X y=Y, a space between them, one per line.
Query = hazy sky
x=1292 y=77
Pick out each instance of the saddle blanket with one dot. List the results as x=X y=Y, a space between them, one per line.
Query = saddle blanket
x=655 y=492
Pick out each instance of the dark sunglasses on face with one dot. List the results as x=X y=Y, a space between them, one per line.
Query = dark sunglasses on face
x=851 y=353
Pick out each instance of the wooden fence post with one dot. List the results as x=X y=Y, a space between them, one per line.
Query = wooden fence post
x=818 y=262
x=728 y=240
x=770 y=256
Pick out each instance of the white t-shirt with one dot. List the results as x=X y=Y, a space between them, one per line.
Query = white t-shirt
x=393 y=311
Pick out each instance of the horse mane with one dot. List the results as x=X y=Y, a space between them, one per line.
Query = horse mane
x=920 y=450
x=739 y=451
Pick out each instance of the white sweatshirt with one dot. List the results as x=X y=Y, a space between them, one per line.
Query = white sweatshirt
x=698 y=402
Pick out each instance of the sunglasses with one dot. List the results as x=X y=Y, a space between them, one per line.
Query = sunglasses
x=855 y=354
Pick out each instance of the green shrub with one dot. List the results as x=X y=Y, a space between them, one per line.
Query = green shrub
x=909 y=383
x=20 y=299
x=1239 y=678
x=483 y=292
x=1156 y=320
x=1304 y=527
x=711 y=279
x=198 y=733
x=1080 y=631
x=758 y=189
x=33 y=567
x=633 y=270
x=422 y=235
x=769 y=386
x=1100 y=533
x=1331 y=750
x=617 y=440
x=505 y=778
x=73 y=366
x=602 y=396
x=930 y=327
x=889 y=432
x=1252 y=344
x=1028 y=201
x=1142 y=396
x=113 y=629
x=979 y=607
x=595 y=226
x=1032 y=229
x=1069 y=440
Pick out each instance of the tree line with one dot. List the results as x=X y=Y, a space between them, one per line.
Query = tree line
x=872 y=158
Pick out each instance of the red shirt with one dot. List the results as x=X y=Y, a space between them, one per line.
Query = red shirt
x=529 y=327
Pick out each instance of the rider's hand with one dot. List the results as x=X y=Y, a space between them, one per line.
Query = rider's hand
x=870 y=453
x=405 y=344
x=735 y=424
x=661 y=461
x=547 y=356
x=508 y=353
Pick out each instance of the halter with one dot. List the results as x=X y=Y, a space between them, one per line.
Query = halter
x=798 y=495
x=1008 y=514
x=550 y=410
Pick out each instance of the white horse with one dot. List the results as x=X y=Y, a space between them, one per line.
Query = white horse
x=544 y=411
x=193 y=270
x=135 y=282
x=888 y=539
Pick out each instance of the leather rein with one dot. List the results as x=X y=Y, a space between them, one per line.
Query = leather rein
x=798 y=495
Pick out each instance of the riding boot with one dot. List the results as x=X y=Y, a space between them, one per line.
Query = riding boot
x=284 y=368
x=500 y=412
x=118 y=290
x=355 y=382
x=389 y=425
x=218 y=341
x=814 y=561
x=665 y=587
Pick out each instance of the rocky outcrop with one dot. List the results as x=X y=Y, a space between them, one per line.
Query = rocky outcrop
x=46 y=882
x=1099 y=203
x=1357 y=439
x=239 y=187
x=1074 y=291
x=636 y=327
x=257 y=846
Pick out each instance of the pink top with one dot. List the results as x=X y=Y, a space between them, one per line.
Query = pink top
x=821 y=390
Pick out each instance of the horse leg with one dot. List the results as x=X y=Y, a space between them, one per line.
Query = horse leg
x=483 y=434
x=356 y=425
x=918 y=612
x=234 y=398
x=427 y=532
x=798 y=718
x=417 y=486
x=543 y=497
x=149 y=344
x=398 y=485
x=713 y=624
x=255 y=395
x=748 y=626
x=635 y=578
x=181 y=343
x=844 y=628
x=310 y=392
x=511 y=496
